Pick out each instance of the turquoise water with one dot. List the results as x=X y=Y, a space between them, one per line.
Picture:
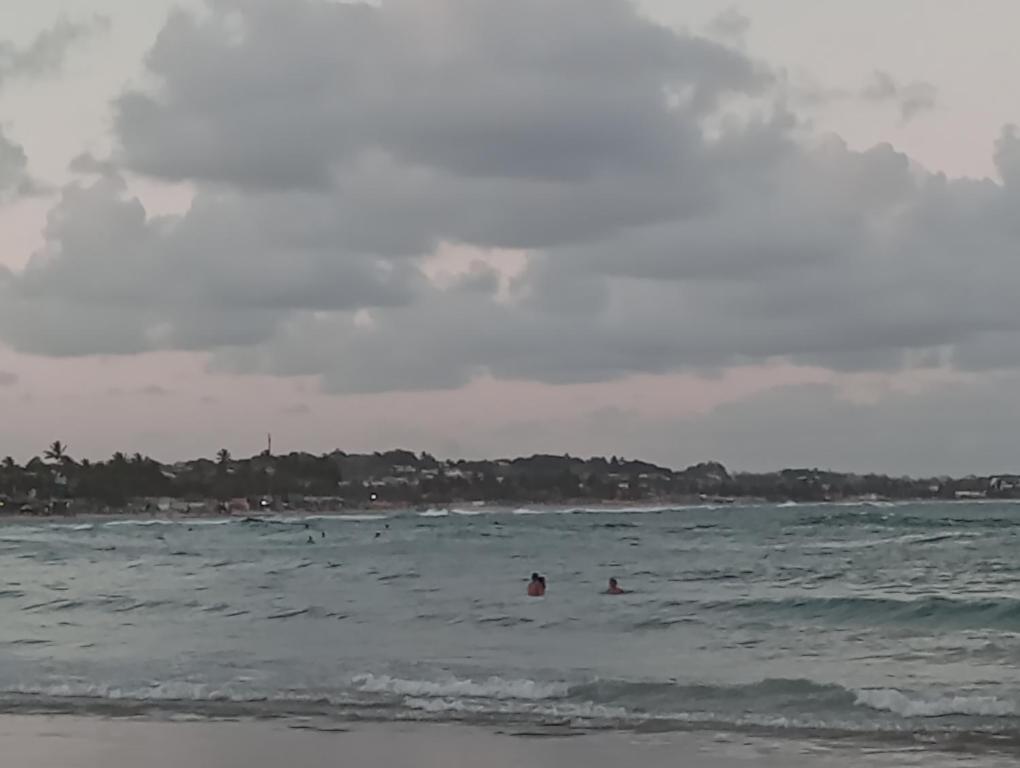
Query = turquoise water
x=890 y=622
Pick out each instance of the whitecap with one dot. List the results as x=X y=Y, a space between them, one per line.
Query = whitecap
x=491 y=688
x=897 y=702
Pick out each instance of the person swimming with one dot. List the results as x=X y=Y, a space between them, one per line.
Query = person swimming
x=614 y=588
x=536 y=587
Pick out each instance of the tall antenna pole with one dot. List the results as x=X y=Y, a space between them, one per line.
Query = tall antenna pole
x=269 y=444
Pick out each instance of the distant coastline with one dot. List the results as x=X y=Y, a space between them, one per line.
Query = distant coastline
x=336 y=482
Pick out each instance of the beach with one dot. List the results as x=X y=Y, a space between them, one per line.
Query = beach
x=67 y=742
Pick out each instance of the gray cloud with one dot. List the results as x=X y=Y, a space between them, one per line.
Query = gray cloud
x=729 y=26
x=911 y=98
x=543 y=91
x=46 y=53
x=43 y=56
x=665 y=230
x=223 y=274
x=88 y=164
x=853 y=261
x=15 y=181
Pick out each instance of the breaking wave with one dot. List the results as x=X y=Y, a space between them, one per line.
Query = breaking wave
x=779 y=705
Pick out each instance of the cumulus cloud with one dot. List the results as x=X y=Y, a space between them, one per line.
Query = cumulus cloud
x=730 y=26
x=46 y=53
x=86 y=164
x=673 y=215
x=223 y=274
x=15 y=180
x=911 y=98
x=881 y=89
x=42 y=56
x=529 y=90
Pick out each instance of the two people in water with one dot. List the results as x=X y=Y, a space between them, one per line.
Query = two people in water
x=536 y=587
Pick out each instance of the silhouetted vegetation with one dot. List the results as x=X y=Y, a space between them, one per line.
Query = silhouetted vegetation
x=335 y=480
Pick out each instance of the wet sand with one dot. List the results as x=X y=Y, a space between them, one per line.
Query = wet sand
x=68 y=742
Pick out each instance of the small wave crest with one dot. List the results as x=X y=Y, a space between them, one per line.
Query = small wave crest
x=491 y=688
x=781 y=706
x=899 y=703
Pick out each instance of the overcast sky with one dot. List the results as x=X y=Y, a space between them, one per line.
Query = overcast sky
x=770 y=234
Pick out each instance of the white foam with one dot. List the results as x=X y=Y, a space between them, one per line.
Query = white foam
x=580 y=710
x=891 y=700
x=530 y=511
x=434 y=513
x=115 y=523
x=168 y=691
x=206 y=521
x=189 y=521
x=492 y=688
x=621 y=510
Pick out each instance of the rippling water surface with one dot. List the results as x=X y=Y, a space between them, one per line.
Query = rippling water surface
x=883 y=621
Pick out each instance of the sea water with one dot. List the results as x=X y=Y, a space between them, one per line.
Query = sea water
x=884 y=622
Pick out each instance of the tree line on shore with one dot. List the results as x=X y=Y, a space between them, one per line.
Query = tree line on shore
x=403 y=477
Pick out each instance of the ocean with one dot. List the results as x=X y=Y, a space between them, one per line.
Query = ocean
x=887 y=623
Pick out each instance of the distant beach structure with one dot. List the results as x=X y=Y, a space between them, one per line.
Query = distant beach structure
x=238 y=507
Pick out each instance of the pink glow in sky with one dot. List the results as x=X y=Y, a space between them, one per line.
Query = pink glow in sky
x=429 y=255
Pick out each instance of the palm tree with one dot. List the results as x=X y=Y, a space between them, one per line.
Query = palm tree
x=10 y=463
x=223 y=457
x=57 y=453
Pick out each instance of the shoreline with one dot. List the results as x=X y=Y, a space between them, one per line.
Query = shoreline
x=41 y=741
x=385 y=511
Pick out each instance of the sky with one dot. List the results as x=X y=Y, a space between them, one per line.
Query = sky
x=768 y=234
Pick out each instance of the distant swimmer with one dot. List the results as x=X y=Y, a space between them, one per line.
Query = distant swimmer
x=536 y=587
x=378 y=534
x=614 y=588
x=323 y=534
x=311 y=540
